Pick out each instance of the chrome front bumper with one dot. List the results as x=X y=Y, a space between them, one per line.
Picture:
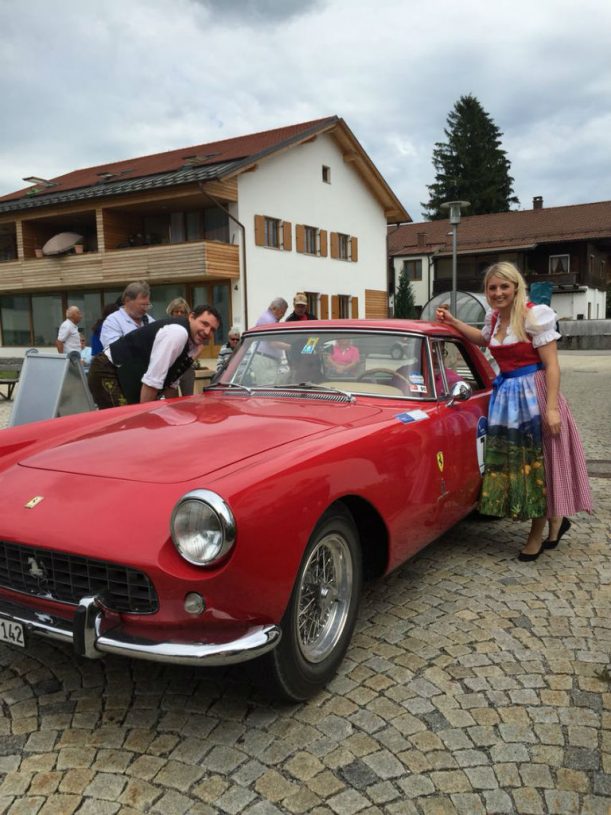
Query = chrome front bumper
x=84 y=632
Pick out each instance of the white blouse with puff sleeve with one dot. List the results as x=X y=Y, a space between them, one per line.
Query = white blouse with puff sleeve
x=540 y=326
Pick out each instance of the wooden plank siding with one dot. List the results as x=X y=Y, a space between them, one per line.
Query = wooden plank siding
x=196 y=260
x=376 y=304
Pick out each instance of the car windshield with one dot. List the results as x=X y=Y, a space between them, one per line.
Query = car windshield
x=359 y=362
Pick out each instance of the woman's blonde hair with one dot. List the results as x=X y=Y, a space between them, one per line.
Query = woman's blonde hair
x=519 y=312
x=178 y=304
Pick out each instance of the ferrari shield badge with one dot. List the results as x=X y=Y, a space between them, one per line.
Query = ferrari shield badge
x=34 y=501
x=440 y=461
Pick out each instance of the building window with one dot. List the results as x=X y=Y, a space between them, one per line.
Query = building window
x=344 y=306
x=343 y=246
x=272 y=232
x=326 y=174
x=559 y=264
x=312 y=306
x=310 y=240
x=413 y=269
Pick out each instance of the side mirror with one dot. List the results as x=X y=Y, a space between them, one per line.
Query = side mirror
x=460 y=392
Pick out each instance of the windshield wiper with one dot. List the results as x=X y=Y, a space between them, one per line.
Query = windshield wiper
x=229 y=385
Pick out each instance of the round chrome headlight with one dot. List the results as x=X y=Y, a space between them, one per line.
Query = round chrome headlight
x=202 y=527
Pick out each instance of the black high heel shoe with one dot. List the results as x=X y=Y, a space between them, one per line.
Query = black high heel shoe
x=564 y=527
x=525 y=557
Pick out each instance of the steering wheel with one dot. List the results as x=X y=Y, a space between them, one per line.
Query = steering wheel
x=367 y=375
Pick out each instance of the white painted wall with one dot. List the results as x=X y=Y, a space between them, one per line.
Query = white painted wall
x=570 y=304
x=419 y=287
x=289 y=186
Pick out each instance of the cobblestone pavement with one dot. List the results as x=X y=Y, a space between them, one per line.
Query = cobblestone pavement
x=474 y=684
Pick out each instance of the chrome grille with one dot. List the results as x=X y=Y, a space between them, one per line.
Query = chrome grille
x=68 y=578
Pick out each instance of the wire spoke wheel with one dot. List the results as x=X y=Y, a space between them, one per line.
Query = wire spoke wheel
x=324 y=597
x=319 y=620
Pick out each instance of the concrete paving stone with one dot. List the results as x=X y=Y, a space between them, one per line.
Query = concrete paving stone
x=60 y=805
x=172 y=803
x=266 y=808
x=470 y=758
x=498 y=802
x=536 y=775
x=236 y=799
x=594 y=805
x=560 y=802
x=139 y=795
x=581 y=758
x=44 y=783
x=468 y=803
x=437 y=805
x=75 y=781
x=602 y=784
x=26 y=806
x=359 y=775
x=528 y=801
x=37 y=763
x=146 y=767
x=517 y=733
x=326 y=784
x=578 y=736
x=509 y=753
x=273 y=786
x=361 y=744
x=304 y=800
x=95 y=807
x=347 y=802
x=106 y=786
x=415 y=786
x=368 y=721
x=448 y=781
x=384 y=764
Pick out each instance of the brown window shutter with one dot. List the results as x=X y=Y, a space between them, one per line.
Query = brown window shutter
x=259 y=230
x=334 y=245
x=300 y=237
x=323 y=243
x=335 y=307
x=354 y=249
x=324 y=306
x=355 y=308
x=287 y=239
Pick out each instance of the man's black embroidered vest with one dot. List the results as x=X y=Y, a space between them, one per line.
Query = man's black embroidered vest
x=132 y=354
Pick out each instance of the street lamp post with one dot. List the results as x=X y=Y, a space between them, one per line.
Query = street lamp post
x=454 y=208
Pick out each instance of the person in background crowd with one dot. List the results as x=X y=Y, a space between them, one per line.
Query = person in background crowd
x=535 y=466
x=344 y=358
x=226 y=352
x=300 y=309
x=68 y=337
x=274 y=313
x=180 y=308
x=136 y=300
x=96 y=344
x=146 y=364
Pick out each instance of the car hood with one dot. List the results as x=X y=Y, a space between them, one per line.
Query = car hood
x=191 y=438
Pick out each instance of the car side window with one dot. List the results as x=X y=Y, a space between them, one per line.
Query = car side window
x=451 y=364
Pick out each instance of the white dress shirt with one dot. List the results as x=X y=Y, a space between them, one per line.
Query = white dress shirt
x=118 y=324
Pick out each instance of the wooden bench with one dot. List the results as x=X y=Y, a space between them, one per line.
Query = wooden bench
x=11 y=371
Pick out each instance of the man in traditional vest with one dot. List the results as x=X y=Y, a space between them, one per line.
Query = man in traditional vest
x=147 y=363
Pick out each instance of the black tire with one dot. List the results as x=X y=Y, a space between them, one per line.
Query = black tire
x=318 y=623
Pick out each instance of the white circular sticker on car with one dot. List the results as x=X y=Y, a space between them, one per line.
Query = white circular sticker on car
x=482 y=430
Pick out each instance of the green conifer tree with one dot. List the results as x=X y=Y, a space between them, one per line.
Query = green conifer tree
x=405 y=306
x=470 y=166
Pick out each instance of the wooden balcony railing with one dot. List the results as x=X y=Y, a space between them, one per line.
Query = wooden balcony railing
x=182 y=261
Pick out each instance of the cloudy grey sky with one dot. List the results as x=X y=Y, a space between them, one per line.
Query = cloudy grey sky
x=85 y=82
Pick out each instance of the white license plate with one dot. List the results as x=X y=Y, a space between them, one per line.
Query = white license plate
x=12 y=632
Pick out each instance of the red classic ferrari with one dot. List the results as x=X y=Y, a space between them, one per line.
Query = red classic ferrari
x=239 y=524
